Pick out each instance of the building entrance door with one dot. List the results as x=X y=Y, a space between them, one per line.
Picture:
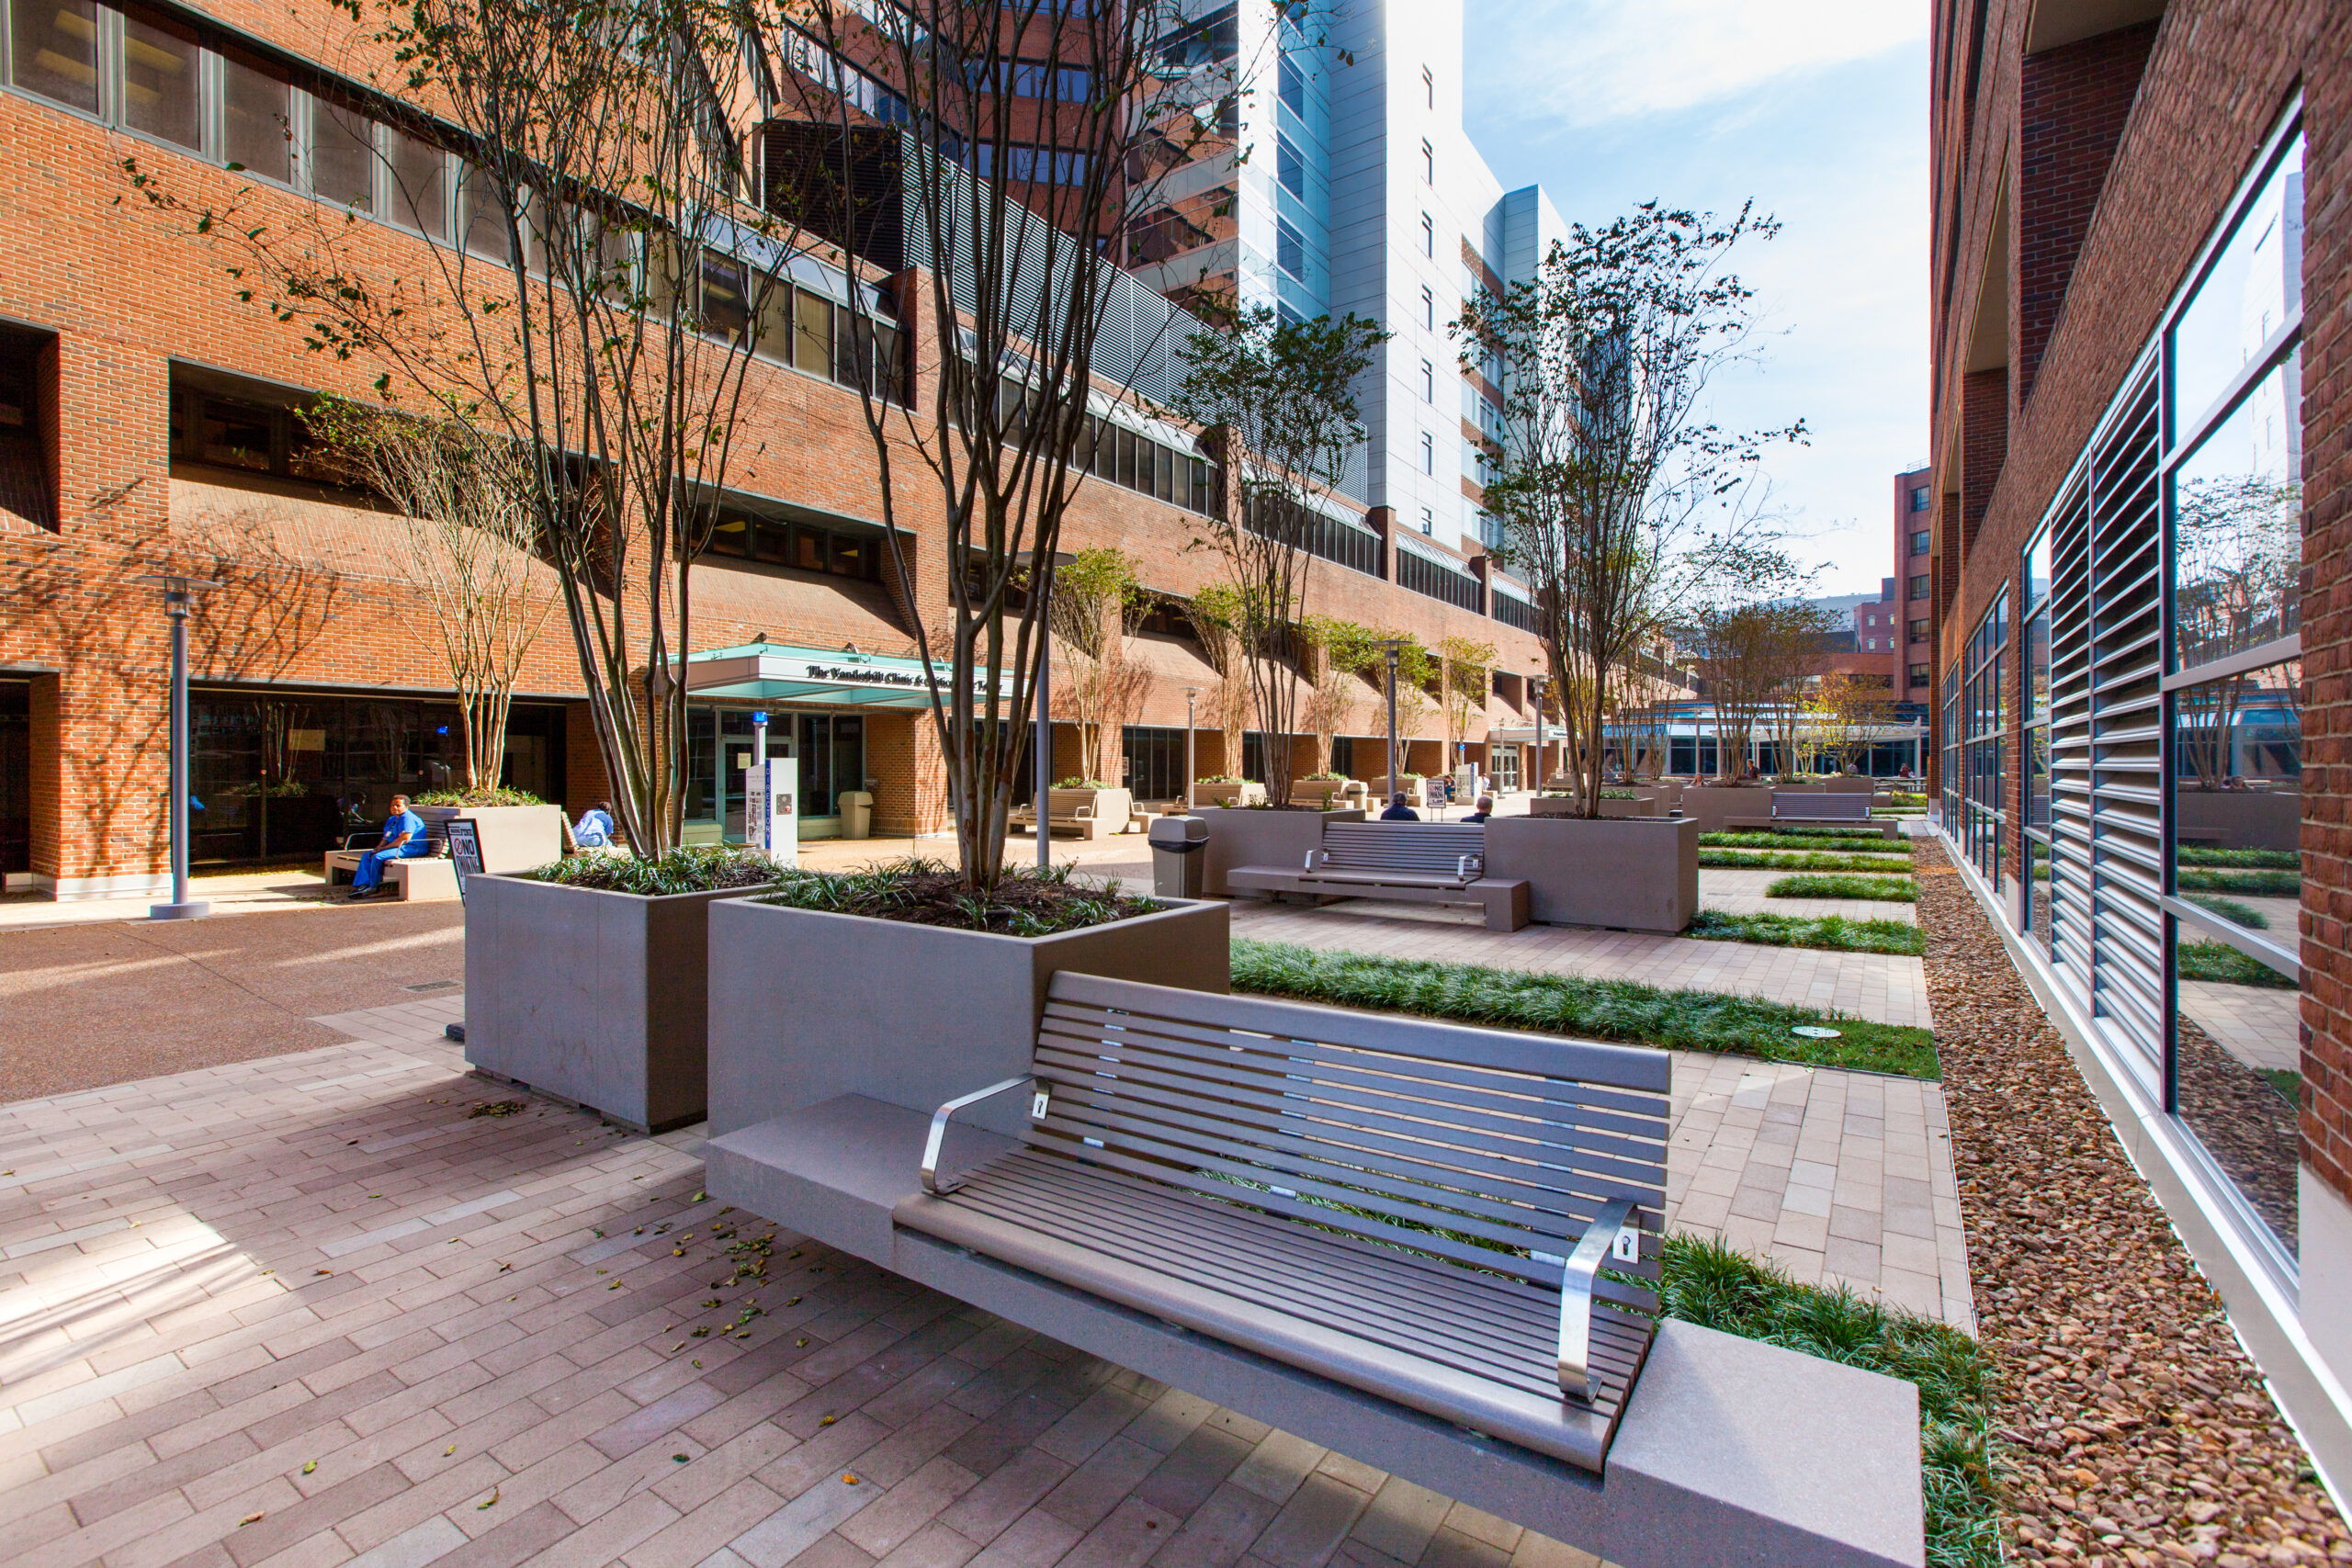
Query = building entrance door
x=15 y=780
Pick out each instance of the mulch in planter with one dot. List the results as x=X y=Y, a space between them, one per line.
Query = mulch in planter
x=2134 y=1429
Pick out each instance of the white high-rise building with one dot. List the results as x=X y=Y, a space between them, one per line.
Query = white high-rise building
x=1352 y=186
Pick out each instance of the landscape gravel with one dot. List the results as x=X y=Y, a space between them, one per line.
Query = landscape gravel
x=2134 y=1429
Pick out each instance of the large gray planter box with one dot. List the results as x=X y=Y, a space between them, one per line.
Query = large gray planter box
x=1712 y=807
x=1565 y=806
x=805 y=1006
x=1636 y=873
x=1239 y=836
x=591 y=996
x=513 y=838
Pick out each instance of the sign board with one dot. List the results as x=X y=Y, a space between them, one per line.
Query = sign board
x=771 y=808
x=465 y=851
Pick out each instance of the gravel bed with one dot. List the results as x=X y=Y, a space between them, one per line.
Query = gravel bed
x=2134 y=1429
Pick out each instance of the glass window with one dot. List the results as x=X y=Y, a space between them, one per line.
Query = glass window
x=1289 y=249
x=162 y=87
x=419 y=191
x=775 y=324
x=484 y=216
x=1919 y=498
x=2237 y=526
x=236 y=435
x=726 y=311
x=1920 y=544
x=812 y=348
x=54 y=51
x=343 y=156
x=256 y=120
x=1290 y=165
x=2253 y=289
x=1919 y=586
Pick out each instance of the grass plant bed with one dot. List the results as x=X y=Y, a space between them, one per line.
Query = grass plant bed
x=1816 y=837
x=1887 y=889
x=2274 y=883
x=1568 y=1004
x=2221 y=963
x=707 y=868
x=1802 y=860
x=1706 y=1282
x=2273 y=860
x=2230 y=909
x=479 y=797
x=1835 y=933
x=1027 y=903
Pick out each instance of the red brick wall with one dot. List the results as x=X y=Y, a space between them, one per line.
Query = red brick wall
x=2218 y=76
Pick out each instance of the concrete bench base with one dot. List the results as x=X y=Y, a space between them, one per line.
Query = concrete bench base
x=1503 y=899
x=427 y=879
x=1728 y=1451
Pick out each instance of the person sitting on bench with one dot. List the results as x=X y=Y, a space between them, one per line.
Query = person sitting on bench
x=1398 y=811
x=594 y=829
x=403 y=840
x=1486 y=809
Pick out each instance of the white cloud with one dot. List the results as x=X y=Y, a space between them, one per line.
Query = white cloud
x=1589 y=63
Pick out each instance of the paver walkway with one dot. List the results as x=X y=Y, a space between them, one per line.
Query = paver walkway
x=312 y=1310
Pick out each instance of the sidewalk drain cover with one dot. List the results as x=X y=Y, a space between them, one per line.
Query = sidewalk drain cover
x=1810 y=1030
x=432 y=986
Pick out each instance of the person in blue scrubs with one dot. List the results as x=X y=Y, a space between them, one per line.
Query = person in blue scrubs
x=403 y=840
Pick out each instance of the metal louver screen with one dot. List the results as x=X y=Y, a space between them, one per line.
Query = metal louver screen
x=2125 y=651
x=2070 y=746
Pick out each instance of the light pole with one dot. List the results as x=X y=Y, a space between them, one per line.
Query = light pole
x=1192 y=730
x=179 y=593
x=1041 y=752
x=1394 y=649
x=1537 y=681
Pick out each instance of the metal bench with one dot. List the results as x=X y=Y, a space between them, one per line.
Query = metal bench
x=1436 y=863
x=1416 y=1210
x=1836 y=805
x=1090 y=813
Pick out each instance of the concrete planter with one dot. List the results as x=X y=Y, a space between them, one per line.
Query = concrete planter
x=807 y=1006
x=2239 y=818
x=1416 y=792
x=1565 y=806
x=1639 y=874
x=513 y=838
x=1710 y=807
x=1242 y=837
x=1327 y=793
x=591 y=996
x=1247 y=792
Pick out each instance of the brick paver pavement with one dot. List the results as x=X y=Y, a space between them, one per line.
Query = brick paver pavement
x=315 y=1309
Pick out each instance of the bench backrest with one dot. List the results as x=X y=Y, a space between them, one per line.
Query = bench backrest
x=1421 y=849
x=1486 y=1149
x=1809 y=807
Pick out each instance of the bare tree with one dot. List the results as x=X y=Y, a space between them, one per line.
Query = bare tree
x=1751 y=650
x=1011 y=138
x=1282 y=394
x=464 y=503
x=1613 y=487
x=601 y=275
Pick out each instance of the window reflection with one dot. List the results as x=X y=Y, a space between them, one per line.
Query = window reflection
x=2237 y=806
x=2237 y=526
x=2254 y=288
x=2237 y=1061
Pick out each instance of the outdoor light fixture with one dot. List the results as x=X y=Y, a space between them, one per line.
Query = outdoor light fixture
x=179 y=593
x=1395 y=648
x=1191 y=695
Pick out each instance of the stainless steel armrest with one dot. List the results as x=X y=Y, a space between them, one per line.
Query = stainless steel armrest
x=1316 y=856
x=939 y=1120
x=1576 y=1297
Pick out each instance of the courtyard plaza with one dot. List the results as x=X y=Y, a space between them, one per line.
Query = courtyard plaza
x=285 y=1285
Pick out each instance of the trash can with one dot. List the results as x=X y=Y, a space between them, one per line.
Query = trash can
x=1178 y=867
x=857 y=813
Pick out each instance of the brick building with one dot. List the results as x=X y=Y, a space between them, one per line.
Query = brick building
x=2138 y=507
x=148 y=417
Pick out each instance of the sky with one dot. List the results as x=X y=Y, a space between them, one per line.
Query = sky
x=1816 y=109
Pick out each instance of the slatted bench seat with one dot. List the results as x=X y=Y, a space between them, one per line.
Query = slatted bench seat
x=1416 y=1210
x=1827 y=807
x=1439 y=862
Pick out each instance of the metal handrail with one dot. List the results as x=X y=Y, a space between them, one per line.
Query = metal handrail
x=939 y=1120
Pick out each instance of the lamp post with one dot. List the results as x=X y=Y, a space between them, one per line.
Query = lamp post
x=1394 y=649
x=179 y=593
x=1041 y=752
x=1192 y=731
x=1537 y=681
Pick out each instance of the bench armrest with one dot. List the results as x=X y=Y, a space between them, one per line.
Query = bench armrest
x=1315 y=858
x=1466 y=867
x=1576 y=1295
x=939 y=1120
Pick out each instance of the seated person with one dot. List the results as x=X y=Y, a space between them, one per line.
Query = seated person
x=403 y=840
x=1486 y=809
x=1398 y=811
x=594 y=829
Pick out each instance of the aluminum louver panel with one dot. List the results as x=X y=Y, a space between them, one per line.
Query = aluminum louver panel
x=2070 y=745
x=2125 y=773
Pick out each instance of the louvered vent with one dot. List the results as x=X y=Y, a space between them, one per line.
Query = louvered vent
x=2070 y=746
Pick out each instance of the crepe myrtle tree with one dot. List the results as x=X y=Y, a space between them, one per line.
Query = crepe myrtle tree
x=1617 y=495
x=598 y=276
x=1281 y=396
x=1017 y=135
x=1214 y=613
x=1753 y=636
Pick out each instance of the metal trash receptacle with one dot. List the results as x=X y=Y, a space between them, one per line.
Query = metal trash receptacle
x=1178 y=866
x=857 y=813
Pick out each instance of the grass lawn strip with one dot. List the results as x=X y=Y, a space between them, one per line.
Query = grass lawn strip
x=1887 y=889
x=1706 y=1282
x=1808 y=860
x=1812 y=838
x=1577 y=1005
x=1833 y=932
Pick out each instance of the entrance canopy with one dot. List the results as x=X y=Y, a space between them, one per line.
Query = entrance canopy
x=774 y=672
